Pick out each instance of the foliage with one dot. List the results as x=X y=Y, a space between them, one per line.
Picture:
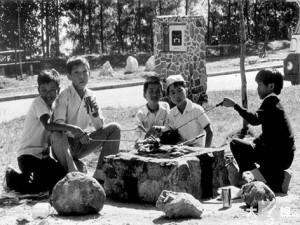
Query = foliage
x=275 y=18
x=9 y=32
x=126 y=26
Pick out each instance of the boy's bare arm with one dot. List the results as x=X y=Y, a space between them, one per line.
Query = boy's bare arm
x=209 y=136
x=50 y=126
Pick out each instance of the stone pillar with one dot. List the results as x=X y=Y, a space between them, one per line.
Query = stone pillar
x=185 y=56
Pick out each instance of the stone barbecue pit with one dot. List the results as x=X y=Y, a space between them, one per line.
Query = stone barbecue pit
x=141 y=176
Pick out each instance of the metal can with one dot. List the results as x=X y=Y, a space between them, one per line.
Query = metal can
x=88 y=104
x=226 y=197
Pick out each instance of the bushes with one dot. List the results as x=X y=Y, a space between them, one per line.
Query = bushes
x=96 y=61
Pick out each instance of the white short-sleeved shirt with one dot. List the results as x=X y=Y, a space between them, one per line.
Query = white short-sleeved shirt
x=148 y=119
x=193 y=128
x=69 y=108
x=34 y=140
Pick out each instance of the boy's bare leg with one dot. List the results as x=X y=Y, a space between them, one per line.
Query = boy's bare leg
x=60 y=148
x=110 y=132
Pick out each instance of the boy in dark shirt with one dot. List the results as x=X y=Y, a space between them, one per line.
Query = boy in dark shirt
x=274 y=149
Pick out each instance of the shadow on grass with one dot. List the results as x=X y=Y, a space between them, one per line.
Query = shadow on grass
x=165 y=219
x=78 y=218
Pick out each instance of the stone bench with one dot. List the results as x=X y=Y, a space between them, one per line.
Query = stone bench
x=132 y=177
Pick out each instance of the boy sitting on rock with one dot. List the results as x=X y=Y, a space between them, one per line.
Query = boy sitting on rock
x=77 y=106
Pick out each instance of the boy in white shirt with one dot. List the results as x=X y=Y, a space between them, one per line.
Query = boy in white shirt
x=155 y=112
x=185 y=111
x=77 y=106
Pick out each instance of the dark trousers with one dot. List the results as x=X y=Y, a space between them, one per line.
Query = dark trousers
x=36 y=174
x=272 y=162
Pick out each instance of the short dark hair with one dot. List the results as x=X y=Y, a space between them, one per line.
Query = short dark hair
x=177 y=84
x=48 y=75
x=76 y=61
x=152 y=80
x=269 y=76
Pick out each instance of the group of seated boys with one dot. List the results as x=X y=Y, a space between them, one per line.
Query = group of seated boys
x=55 y=135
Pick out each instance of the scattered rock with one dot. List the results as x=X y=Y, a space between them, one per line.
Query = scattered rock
x=106 y=70
x=78 y=194
x=256 y=191
x=132 y=65
x=150 y=64
x=179 y=204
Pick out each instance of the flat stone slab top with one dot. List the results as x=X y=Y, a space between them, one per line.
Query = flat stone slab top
x=141 y=177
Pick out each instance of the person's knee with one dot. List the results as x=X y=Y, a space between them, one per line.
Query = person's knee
x=114 y=128
x=58 y=140
x=56 y=136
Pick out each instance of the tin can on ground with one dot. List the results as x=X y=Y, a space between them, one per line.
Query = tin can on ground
x=226 y=197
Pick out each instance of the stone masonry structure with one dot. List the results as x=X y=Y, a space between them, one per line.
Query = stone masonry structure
x=132 y=177
x=179 y=48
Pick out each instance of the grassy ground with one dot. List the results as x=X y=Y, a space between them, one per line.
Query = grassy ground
x=225 y=121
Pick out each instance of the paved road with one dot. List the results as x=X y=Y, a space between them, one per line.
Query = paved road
x=130 y=96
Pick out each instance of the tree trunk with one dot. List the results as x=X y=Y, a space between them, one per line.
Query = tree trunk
x=82 y=38
x=241 y=4
x=101 y=27
x=186 y=7
x=277 y=34
x=47 y=30
x=139 y=26
x=19 y=41
x=90 y=26
x=255 y=23
x=247 y=8
x=119 y=26
x=208 y=21
x=42 y=28
x=266 y=30
x=57 y=51
x=228 y=29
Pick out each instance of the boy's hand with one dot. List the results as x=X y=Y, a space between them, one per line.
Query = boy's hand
x=228 y=102
x=85 y=139
x=77 y=132
x=155 y=131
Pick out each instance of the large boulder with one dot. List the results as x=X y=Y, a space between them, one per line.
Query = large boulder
x=150 y=64
x=132 y=65
x=178 y=204
x=256 y=191
x=78 y=194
